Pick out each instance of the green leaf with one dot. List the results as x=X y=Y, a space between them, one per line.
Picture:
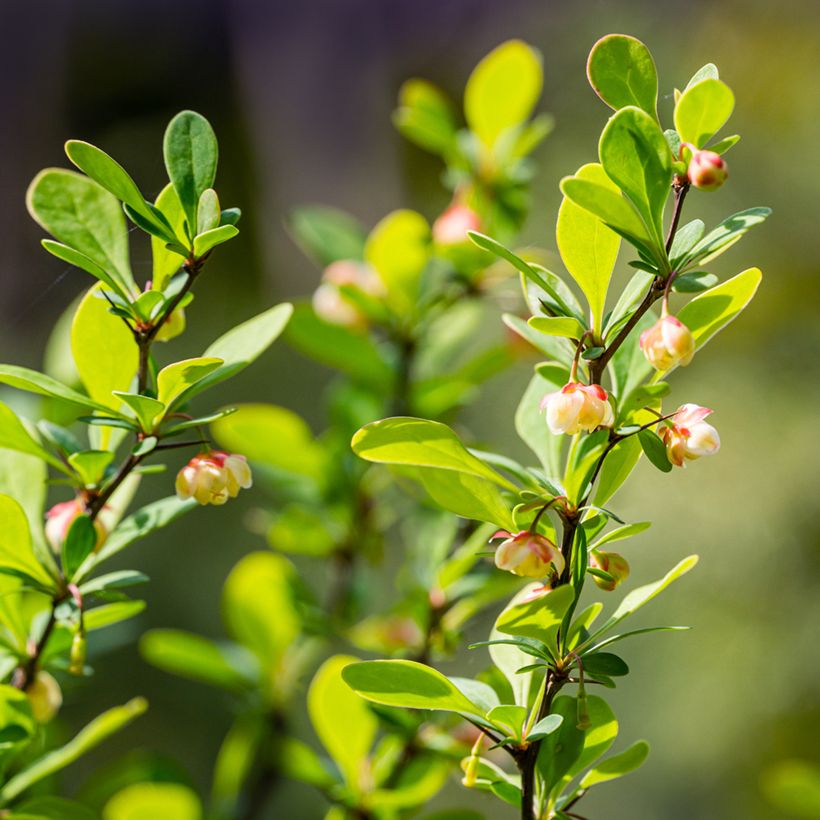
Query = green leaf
x=342 y=720
x=51 y=808
x=425 y=116
x=694 y=282
x=618 y=465
x=702 y=111
x=192 y=656
x=86 y=218
x=113 y=580
x=560 y=749
x=398 y=248
x=655 y=450
x=539 y=618
x=327 y=235
x=259 y=606
x=79 y=544
x=408 y=684
x=629 y=368
x=502 y=91
x=166 y=262
x=106 y=367
x=510 y=719
x=206 y=242
x=531 y=423
x=617 y=766
x=711 y=311
x=241 y=346
x=340 y=348
x=598 y=737
x=587 y=246
x=81 y=261
x=175 y=379
x=23 y=477
x=724 y=236
x=610 y=207
x=33 y=382
x=604 y=663
x=209 y=212
x=705 y=72
x=92 y=735
x=146 y=408
x=421 y=443
x=14 y=436
x=145 y=801
x=110 y=614
x=620 y=533
x=545 y=726
x=190 y=151
x=274 y=436
x=622 y=72
x=113 y=177
x=90 y=465
x=685 y=239
x=565 y=326
x=636 y=157
x=17 y=723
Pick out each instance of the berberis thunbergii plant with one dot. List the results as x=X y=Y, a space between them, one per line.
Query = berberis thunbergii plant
x=588 y=414
x=126 y=409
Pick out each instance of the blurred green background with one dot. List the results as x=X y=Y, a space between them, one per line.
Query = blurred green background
x=300 y=95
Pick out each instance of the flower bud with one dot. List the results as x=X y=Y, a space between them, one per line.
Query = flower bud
x=60 y=518
x=611 y=562
x=578 y=407
x=528 y=554
x=668 y=343
x=707 y=171
x=687 y=436
x=470 y=764
x=213 y=477
x=452 y=226
x=331 y=304
x=45 y=697
x=76 y=658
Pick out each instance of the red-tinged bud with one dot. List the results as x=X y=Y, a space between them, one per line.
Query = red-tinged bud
x=331 y=304
x=45 y=697
x=578 y=407
x=60 y=518
x=528 y=554
x=687 y=436
x=76 y=659
x=213 y=477
x=707 y=170
x=612 y=563
x=668 y=343
x=452 y=226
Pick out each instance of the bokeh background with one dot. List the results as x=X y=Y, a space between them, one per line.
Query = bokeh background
x=300 y=95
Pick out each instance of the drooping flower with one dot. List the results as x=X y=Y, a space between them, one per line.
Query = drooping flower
x=45 y=697
x=452 y=226
x=668 y=343
x=687 y=436
x=60 y=518
x=707 y=170
x=330 y=302
x=578 y=407
x=528 y=554
x=213 y=477
x=612 y=563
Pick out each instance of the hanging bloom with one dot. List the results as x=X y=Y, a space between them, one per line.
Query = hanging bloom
x=452 y=226
x=707 y=170
x=213 y=477
x=668 y=343
x=331 y=304
x=576 y=407
x=60 y=518
x=687 y=436
x=529 y=554
x=45 y=697
x=611 y=562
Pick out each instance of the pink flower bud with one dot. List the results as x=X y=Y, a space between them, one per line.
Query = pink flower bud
x=687 y=436
x=528 y=554
x=331 y=304
x=213 y=477
x=452 y=226
x=578 y=407
x=611 y=562
x=668 y=343
x=45 y=697
x=60 y=518
x=707 y=170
